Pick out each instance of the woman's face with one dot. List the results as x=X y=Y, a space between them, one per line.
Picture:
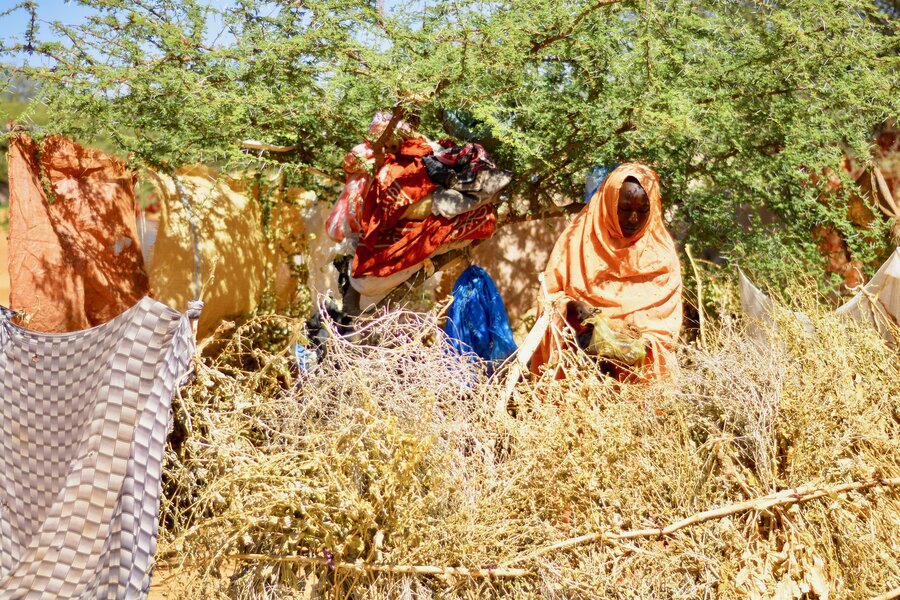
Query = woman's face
x=633 y=209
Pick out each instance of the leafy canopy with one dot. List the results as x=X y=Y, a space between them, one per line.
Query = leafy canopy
x=735 y=103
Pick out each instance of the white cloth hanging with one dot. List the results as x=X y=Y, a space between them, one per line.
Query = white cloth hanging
x=760 y=310
x=83 y=422
x=878 y=302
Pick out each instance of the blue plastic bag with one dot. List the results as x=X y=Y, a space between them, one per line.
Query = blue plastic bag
x=477 y=321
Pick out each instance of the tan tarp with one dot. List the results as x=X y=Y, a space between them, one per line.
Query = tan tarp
x=238 y=263
x=74 y=259
x=230 y=245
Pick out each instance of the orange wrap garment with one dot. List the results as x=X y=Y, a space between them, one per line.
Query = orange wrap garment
x=634 y=281
x=74 y=258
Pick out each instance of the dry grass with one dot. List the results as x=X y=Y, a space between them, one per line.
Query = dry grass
x=391 y=453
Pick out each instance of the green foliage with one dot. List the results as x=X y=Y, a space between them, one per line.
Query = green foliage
x=735 y=103
x=25 y=112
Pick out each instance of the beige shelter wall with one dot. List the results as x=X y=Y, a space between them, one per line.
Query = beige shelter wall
x=514 y=257
x=240 y=262
x=231 y=247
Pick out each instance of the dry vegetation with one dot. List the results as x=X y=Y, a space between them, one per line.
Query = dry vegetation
x=391 y=455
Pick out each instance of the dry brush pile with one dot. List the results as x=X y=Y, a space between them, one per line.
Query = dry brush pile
x=388 y=472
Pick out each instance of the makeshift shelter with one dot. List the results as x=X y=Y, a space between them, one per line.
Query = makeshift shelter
x=75 y=259
x=238 y=261
x=230 y=246
x=83 y=422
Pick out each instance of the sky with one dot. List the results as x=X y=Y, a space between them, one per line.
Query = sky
x=71 y=12
x=13 y=26
x=68 y=12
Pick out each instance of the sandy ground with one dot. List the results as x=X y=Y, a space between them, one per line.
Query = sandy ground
x=164 y=586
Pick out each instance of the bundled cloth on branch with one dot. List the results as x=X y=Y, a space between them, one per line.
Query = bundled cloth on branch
x=477 y=321
x=390 y=243
x=466 y=179
x=343 y=221
x=74 y=256
x=83 y=422
x=634 y=280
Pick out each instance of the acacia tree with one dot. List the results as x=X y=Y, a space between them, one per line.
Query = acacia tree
x=735 y=103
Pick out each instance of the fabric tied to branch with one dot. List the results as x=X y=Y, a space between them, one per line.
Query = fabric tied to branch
x=389 y=243
x=83 y=422
x=477 y=321
x=344 y=218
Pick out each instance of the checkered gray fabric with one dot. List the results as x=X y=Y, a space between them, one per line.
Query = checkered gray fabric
x=83 y=422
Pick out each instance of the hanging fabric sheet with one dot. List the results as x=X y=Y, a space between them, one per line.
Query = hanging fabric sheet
x=879 y=300
x=477 y=320
x=760 y=311
x=83 y=421
x=74 y=253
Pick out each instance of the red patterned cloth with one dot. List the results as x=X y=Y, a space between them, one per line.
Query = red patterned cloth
x=344 y=217
x=402 y=181
x=414 y=241
x=388 y=243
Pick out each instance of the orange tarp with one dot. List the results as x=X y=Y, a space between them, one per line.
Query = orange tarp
x=74 y=257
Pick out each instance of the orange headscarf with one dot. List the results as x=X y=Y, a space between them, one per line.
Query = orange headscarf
x=634 y=280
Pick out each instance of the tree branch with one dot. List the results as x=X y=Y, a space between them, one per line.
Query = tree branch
x=361 y=567
x=541 y=44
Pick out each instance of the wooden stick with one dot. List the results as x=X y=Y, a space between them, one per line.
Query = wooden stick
x=264 y=147
x=529 y=346
x=687 y=250
x=886 y=191
x=787 y=497
x=362 y=567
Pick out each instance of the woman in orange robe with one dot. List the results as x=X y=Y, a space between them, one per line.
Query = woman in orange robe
x=618 y=257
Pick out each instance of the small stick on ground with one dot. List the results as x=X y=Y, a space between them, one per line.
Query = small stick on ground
x=797 y=495
x=397 y=569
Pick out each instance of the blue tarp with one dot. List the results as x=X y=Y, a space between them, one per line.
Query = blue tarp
x=477 y=321
x=595 y=177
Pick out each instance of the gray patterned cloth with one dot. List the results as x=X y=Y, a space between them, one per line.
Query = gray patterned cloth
x=83 y=422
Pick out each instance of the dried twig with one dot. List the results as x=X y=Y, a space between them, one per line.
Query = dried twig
x=891 y=595
x=361 y=567
x=787 y=497
x=700 y=312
